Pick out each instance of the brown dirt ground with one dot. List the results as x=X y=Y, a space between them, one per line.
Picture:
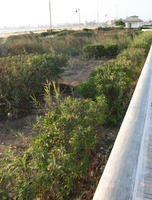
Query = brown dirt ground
x=10 y=129
x=78 y=70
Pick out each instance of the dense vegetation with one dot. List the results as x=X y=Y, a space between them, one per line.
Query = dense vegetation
x=23 y=76
x=116 y=78
x=28 y=61
x=59 y=159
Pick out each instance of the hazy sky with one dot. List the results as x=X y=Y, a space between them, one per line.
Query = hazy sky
x=34 y=12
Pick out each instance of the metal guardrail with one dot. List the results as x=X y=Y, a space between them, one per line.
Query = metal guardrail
x=124 y=177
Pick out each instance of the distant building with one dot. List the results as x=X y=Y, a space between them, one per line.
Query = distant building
x=110 y=23
x=133 y=22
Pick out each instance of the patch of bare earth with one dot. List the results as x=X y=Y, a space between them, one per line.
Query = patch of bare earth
x=10 y=129
x=78 y=70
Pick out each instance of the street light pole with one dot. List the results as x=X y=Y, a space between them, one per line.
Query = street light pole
x=78 y=11
x=50 y=14
x=97 y=11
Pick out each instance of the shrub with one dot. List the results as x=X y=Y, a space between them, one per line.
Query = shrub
x=109 y=28
x=146 y=27
x=44 y=34
x=93 y=51
x=62 y=33
x=60 y=155
x=24 y=44
x=23 y=76
x=119 y=23
x=87 y=29
x=111 y=50
x=137 y=58
x=99 y=50
x=116 y=78
x=110 y=82
x=82 y=33
x=99 y=28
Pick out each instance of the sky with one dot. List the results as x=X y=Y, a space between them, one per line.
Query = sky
x=36 y=12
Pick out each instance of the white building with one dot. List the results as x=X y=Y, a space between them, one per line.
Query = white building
x=133 y=22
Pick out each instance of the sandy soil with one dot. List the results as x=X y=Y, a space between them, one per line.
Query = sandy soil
x=11 y=129
x=5 y=35
x=78 y=70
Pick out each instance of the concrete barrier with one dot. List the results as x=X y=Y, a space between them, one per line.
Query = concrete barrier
x=120 y=177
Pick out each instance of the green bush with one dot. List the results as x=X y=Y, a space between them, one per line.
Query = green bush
x=116 y=78
x=146 y=27
x=137 y=58
x=109 y=28
x=110 y=82
x=82 y=33
x=44 y=34
x=87 y=29
x=23 y=76
x=111 y=50
x=100 y=28
x=93 y=51
x=62 y=33
x=99 y=50
x=59 y=157
x=120 y=23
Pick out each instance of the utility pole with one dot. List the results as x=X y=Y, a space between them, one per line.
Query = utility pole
x=78 y=11
x=50 y=14
x=97 y=11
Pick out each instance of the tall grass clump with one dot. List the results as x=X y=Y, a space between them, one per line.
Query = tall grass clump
x=143 y=41
x=68 y=45
x=22 y=44
x=120 y=37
